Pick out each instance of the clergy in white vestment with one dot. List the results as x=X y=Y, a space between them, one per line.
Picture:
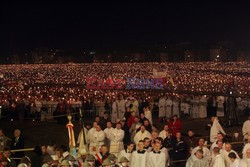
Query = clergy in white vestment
x=108 y=133
x=162 y=107
x=96 y=140
x=91 y=131
x=235 y=162
x=176 y=107
x=225 y=152
x=215 y=129
x=127 y=152
x=246 y=128
x=139 y=157
x=197 y=160
x=163 y=133
x=245 y=162
x=156 y=157
x=114 y=112
x=195 y=107
x=218 y=160
x=220 y=106
x=169 y=104
x=246 y=147
x=148 y=114
x=143 y=133
x=121 y=107
x=220 y=138
x=201 y=146
x=116 y=144
x=203 y=107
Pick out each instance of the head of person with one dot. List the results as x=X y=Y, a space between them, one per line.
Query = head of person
x=112 y=158
x=178 y=135
x=83 y=153
x=44 y=149
x=248 y=138
x=220 y=144
x=154 y=134
x=118 y=125
x=130 y=146
x=1 y=133
x=141 y=145
x=190 y=133
x=124 y=162
x=98 y=128
x=104 y=149
x=175 y=117
x=168 y=133
x=95 y=124
x=59 y=153
x=248 y=153
x=146 y=123
x=199 y=154
x=232 y=156
x=6 y=152
x=136 y=119
x=201 y=142
x=228 y=147
x=142 y=116
x=146 y=142
x=166 y=127
x=4 y=162
x=157 y=146
x=142 y=128
x=97 y=119
x=17 y=133
x=220 y=136
x=90 y=159
x=216 y=151
x=109 y=124
x=25 y=161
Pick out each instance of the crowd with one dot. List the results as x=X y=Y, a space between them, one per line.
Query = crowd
x=135 y=145
x=123 y=132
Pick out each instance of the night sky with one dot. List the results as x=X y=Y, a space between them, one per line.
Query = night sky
x=112 y=25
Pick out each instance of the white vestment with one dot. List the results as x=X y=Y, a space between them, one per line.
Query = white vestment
x=245 y=148
x=138 y=159
x=176 y=108
x=163 y=134
x=114 y=113
x=236 y=163
x=108 y=134
x=148 y=115
x=125 y=153
x=162 y=107
x=156 y=159
x=245 y=162
x=193 y=161
x=203 y=107
x=121 y=109
x=206 y=152
x=224 y=153
x=96 y=141
x=195 y=108
x=169 y=104
x=116 y=144
x=215 y=129
x=218 y=161
x=220 y=106
x=140 y=136
x=246 y=129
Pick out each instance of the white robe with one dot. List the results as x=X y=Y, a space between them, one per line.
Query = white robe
x=163 y=134
x=245 y=162
x=116 y=144
x=148 y=115
x=80 y=140
x=162 y=107
x=195 y=108
x=245 y=148
x=236 y=163
x=215 y=129
x=169 y=104
x=176 y=108
x=121 y=109
x=140 y=136
x=96 y=141
x=224 y=153
x=156 y=159
x=206 y=152
x=218 y=161
x=108 y=133
x=220 y=106
x=193 y=161
x=139 y=160
x=203 y=107
x=246 y=129
x=125 y=153
x=114 y=114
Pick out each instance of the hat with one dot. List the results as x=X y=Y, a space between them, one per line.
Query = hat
x=86 y=164
x=112 y=157
x=90 y=157
x=106 y=162
x=70 y=158
x=82 y=151
x=124 y=159
x=64 y=163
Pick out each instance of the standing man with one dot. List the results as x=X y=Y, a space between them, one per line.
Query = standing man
x=246 y=128
x=96 y=140
x=114 y=114
x=169 y=104
x=179 y=150
x=197 y=160
x=203 y=107
x=156 y=157
x=117 y=135
x=143 y=133
x=4 y=141
x=225 y=152
x=108 y=133
x=139 y=157
x=206 y=151
x=162 y=108
x=218 y=160
x=17 y=143
x=121 y=107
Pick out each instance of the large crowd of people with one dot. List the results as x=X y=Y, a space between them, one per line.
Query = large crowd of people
x=123 y=131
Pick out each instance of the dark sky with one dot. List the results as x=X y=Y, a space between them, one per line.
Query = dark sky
x=111 y=25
